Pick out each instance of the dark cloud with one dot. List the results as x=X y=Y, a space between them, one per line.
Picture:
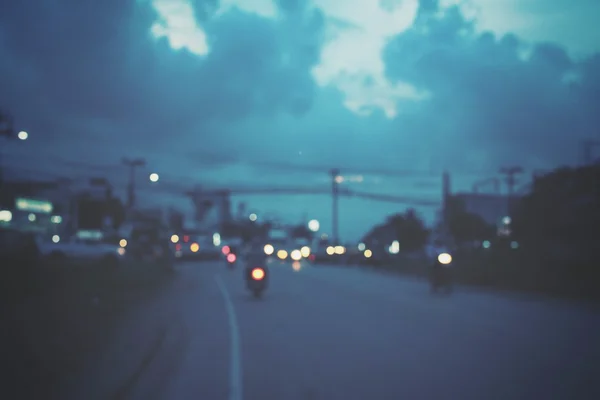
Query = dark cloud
x=488 y=99
x=88 y=76
x=95 y=61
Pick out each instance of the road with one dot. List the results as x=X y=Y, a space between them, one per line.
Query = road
x=343 y=333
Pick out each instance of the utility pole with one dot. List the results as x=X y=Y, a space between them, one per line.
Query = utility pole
x=511 y=181
x=335 y=192
x=132 y=165
x=7 y=130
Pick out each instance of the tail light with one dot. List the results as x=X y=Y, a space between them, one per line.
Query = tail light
x=231 y=257
x=225 y=250
x=258 y=274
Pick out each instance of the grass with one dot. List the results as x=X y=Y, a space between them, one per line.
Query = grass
x=55 y=325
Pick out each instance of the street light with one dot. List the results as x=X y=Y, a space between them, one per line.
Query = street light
x=23 y=135
x=154 y=177
x=314 y=225
x=253 y=217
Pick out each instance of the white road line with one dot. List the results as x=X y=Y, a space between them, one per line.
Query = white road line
x=235 y=367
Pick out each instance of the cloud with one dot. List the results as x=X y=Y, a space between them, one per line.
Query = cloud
x=277 y=93
x=492 y=102
x=569 y=23
x=351 y=59
x=100 y=63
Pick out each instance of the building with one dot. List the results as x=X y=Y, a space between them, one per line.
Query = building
x=39 y=206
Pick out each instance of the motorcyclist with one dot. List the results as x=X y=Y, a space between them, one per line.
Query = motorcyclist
x=438 y=271
x=254 y=256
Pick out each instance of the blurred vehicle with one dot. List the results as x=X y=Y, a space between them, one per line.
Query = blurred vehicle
x=440 y=261
x=288 y=249
x=232 y=259
x=80 y=248
x=330 y=254
x=231 y=253
x=146 y=243
x=194 y=246
x=257 y=277
x=231 y=250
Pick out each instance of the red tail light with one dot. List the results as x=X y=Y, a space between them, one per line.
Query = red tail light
x=178 y=247
x=186 y=238
x=226 y=250
x=258 y=274
x=311 y=257
x=231 y=257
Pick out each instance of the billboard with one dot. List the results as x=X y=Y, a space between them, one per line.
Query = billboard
x=32 y=205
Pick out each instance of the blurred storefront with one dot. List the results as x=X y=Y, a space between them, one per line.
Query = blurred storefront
x=41 y=207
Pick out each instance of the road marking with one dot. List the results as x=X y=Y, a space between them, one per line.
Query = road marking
x=235 y=367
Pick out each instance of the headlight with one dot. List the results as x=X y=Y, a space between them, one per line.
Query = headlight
x=282 y=254
x=305 y=251
x=445 y=258
x=269 y=249
x=296 y=255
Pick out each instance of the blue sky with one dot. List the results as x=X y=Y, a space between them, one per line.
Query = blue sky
x=271 y=93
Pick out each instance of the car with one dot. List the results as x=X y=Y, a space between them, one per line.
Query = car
x=196 y=247
x=80 y=249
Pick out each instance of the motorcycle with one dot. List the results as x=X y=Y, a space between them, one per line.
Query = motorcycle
x=257 y=280
x=441 y=274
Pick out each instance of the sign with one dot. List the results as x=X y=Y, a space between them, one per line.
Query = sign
x=38 y=206
x=89 y=235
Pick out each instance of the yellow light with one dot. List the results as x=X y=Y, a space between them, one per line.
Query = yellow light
x=123 y=243
x=282 y=254
x=340 y=249
x=330 y=250
x=445 y=258
x=194 y=247
x=368 y=253
x=269 y=249
x=296 y=255
x=174 y=239
x=305 y=251
x=258 y=274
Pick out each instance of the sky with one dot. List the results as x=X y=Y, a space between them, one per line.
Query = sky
x=274 y=93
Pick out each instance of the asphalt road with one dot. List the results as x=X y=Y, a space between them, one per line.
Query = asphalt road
x=343 y=333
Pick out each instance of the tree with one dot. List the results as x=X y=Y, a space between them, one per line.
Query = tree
x=465 y=226
x=408 y=228
x=564 y=205
x=412 y=232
